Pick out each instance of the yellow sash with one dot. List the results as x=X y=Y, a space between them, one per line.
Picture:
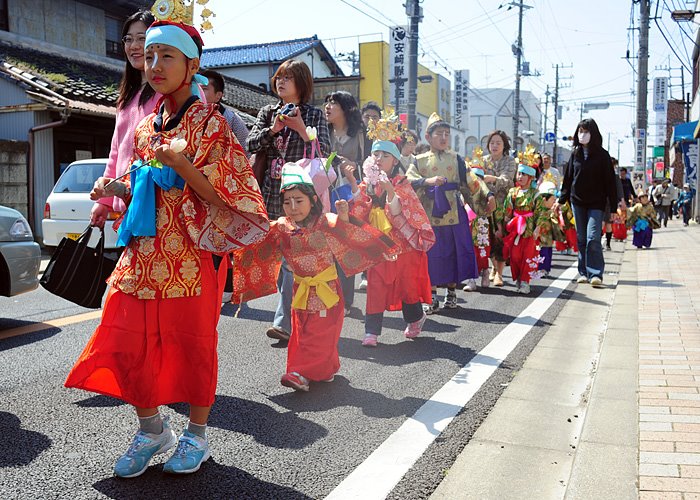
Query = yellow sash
x=320 y=281
x=378 y=219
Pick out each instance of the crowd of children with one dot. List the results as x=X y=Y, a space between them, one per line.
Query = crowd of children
x=413 y=223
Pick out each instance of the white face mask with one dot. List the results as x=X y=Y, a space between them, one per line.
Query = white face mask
x=584 y=137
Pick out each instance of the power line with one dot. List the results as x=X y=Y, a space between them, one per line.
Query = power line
x=365 y=13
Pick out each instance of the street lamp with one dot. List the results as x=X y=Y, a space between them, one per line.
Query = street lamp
x=684 y=15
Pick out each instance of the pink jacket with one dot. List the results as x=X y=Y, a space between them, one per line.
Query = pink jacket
x=122 y=148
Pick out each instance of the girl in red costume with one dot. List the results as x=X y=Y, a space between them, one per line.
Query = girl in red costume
x=386 y=200
x=311 y=242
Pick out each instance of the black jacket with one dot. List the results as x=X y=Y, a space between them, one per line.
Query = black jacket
x=589 y=183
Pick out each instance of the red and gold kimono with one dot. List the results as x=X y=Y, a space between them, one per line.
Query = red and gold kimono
x=619 y=225
x=317 y=306
x=568 y=226
x=156 y=342
x=524 y=212
x=406 y=279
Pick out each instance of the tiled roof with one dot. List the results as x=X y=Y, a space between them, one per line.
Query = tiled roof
x=77 y=80
x=96 y=84
x=256 y=53
x=244 y=96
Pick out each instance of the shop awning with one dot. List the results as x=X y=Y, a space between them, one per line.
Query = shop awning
x=684 y=131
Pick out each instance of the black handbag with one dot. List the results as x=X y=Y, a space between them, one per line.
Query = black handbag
x=78 y=272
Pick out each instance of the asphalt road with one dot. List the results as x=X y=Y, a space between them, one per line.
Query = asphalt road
x=267 y=441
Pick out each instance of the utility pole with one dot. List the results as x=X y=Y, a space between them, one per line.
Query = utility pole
x=642 y=72
x=546 y=114
x=518 y=49
x=556 y=115
x=557 y=86
x=415 y=13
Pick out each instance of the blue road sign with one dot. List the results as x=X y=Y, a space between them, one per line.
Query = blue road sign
x=549 y=137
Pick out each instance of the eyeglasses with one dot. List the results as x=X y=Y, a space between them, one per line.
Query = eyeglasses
x=129 y=40
x=283 y=79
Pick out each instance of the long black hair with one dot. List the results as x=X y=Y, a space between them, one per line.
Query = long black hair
x=348 y=104
x=131 y=78
x=591 y=126
x=316 y=206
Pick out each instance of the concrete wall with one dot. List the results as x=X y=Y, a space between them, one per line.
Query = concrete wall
x=13 y=175
x=14 y=126
x=61 y=22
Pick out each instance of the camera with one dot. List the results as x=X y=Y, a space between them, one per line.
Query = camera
x=287 y=109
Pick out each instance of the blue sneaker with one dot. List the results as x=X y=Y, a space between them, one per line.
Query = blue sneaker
x=144 y=446
x=191 y=452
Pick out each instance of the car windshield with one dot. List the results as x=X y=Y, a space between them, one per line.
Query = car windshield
x=79 y=178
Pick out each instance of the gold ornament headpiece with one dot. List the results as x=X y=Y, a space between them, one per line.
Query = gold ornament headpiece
x=477 y=158
x=386 y=128
x=530 y=157
x=182 y=11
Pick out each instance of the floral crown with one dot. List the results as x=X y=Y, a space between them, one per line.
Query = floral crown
x=530 y=157
x=182 y=11
x=386 y=128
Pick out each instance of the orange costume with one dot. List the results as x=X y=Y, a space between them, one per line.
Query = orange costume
x=317 y=308
x=406 y=279
x=156 y=343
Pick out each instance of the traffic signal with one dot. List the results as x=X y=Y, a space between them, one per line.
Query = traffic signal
x=567 y=138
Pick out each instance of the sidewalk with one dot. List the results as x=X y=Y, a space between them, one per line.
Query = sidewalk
x=607 y=404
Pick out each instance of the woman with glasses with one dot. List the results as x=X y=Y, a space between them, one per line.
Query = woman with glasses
x=279 y=135
x=136 y=100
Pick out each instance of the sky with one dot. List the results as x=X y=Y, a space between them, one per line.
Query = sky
x=588 y=39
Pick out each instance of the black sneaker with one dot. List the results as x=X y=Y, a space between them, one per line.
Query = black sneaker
x=451 y=300
x=432 y=308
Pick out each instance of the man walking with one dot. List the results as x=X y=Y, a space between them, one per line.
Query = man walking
x=663 y=194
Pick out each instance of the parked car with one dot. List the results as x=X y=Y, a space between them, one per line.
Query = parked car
x=67 y=209
x=20 y=255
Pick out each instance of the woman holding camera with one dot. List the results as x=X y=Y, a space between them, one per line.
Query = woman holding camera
x=279 y=136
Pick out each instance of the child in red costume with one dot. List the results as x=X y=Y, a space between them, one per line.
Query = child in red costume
x=387 y=201
x=311 y=243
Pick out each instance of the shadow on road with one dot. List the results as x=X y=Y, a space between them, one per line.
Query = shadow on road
x=651 y=283
x=20 y=446
x=213 y=480
x=247 y=312
x=266 y=425
x=339 y=393
x=24 y=338
x=99 y=401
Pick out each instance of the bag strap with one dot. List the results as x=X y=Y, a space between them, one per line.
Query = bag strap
x=99 y=252
x=76 y=257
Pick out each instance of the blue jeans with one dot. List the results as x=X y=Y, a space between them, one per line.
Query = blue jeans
x=285 y=285
x=589 y=227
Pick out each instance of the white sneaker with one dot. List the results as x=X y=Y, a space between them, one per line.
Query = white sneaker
x=363 y=284
x=226 y=297
x=524 y=288
x=582 y=279
x=596 y=282
x=470 y=286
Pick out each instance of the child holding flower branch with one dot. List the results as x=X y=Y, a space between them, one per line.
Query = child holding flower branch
x=191 y=197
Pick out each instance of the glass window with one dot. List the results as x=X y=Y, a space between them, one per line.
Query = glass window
x=113 y=29
x=79 y=178
x=4 y=24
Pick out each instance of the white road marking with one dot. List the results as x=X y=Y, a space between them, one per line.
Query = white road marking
x=377 y=476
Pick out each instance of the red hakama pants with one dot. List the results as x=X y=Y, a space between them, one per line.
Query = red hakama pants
x=158 y=351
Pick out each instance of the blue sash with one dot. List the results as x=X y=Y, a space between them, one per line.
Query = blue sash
x=140 y=218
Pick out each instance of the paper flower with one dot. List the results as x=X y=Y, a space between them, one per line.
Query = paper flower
x=372 y=173
x=178 y=145
x=312 y=133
